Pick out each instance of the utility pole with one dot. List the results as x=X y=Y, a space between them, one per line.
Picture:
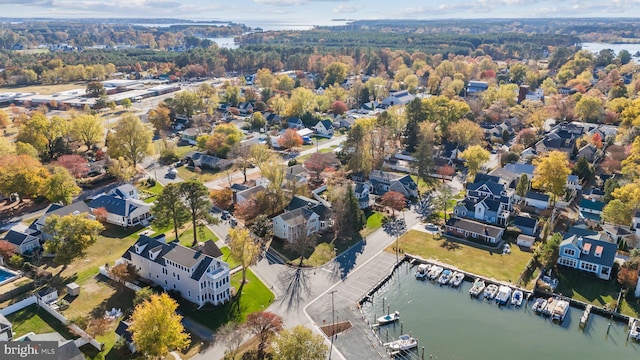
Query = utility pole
x=333 y=323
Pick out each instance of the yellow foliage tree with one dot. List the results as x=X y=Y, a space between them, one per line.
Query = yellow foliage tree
x=551 y=173
x=156 y=328
x=474 y=156
x=243 y=248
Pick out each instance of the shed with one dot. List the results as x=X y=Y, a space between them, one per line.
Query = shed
x=73 y=289
x=525 y=241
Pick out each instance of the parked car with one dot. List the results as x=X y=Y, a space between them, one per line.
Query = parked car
x=225 y=215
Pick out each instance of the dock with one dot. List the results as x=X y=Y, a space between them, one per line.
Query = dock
x=585 y=316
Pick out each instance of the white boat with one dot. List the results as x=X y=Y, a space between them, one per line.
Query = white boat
x=422 y=271
x=435 y=272
x=477 y=288
x=504 y=294
x=389 y=318
x=517 y=297
x=560 y=311
x=634 y=329
x=585 y=316
x=445 y=277
x=551 y=305
x=405 y=342
x=490 y=291
x=456 y=279
x=539 y=305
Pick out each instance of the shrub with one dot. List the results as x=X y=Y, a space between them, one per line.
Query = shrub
x=16 y=261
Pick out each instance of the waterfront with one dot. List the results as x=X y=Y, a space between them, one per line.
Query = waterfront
x=451 y=325
x=596 y=47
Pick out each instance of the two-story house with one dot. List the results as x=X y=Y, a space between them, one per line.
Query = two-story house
x=588 y=253
x=591 y=209
x=123 y=207
x=361 y=192
x=383 y=181
x=486 y=201
x=199 y=278
x=324 y=128
x=302 y=217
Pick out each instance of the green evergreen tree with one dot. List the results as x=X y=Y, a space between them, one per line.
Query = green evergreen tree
x=523 y=185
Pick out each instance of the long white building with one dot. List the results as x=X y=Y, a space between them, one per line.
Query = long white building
x=198 y=277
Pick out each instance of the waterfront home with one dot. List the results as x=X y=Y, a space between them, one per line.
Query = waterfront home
x=487 y=201
x=464 y=228
x=302 y=217
x=589 y=253
x=617 y=233
x=197 y=277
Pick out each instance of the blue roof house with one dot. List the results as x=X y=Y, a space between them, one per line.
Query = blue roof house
x=588 y=253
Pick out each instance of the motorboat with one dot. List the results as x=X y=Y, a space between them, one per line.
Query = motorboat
x=477 y=288
x=551 y=305
x=445 y=277
x=422 y=271
x=491 y=291
x=517 y=297
x=560 y=311
x=405 y=342
x=504 y=294
x=389 y=318
x=585 y=316
x=634 y=329
x=539 y=305
x=456 y=279
x=435 y=272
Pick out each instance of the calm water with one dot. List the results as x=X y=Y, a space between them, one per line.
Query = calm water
x=596 y=47
x=452 y=325
x=225 y=42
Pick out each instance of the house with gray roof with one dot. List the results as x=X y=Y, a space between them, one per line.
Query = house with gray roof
x=122 y=332
x=22 y=241
x=402 y=97
x=588 y=253
x=123 y=211
x=465 y=228
x=248 y=194
x=198 y=277
x=486 y=201
x=6 y=329
x=537 y=200
x=76 y=208
x=384 y=181
x=361 y=192
x=526 y=224
x=67 y=349
x=303 y=216
x=617 y=233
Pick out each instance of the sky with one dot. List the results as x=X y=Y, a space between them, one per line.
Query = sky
x=317 y=12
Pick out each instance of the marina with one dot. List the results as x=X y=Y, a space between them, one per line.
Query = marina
x=489 y=329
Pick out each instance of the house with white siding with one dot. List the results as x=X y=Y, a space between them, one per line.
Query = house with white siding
x=199 y=278
x=123 y=207
x=587 y=252
x=302 y=217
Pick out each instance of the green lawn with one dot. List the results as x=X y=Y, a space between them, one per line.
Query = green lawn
x=188 y=173
x=374 y=222
x=303 y=158
x=151 y=191
x=255 y=296
x=182 y=151
x=226 y=257
x=321 y=255
x=186 y=237
x=585 y=287
x=481 y=262
x=33 y=319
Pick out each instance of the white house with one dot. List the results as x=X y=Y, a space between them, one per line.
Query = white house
x=123 y=207
x=362 y=191
x=22 y=241
x=324 y=128
x=199 y=278
x=302 y=217
x=6 y=329
x=383 y=181
x=398 y=98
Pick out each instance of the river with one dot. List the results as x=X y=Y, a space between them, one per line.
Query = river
x=452 y=325
x=596 y=47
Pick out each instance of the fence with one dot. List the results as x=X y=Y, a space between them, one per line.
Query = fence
x=103 y=271
x=18 y=306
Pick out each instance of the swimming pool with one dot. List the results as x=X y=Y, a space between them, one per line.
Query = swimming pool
x=7 y=275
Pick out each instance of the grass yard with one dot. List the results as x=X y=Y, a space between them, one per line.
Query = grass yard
x=630 y=305
x=182 y=151
x=226 y=257
x=374 y=222
x=321 y=255
x=188 y=173
x=478 y=261
x=581 y=286
x=255 y=296
x=186 y=236
x=151 y=191
x=304 y=158
x=33 y=319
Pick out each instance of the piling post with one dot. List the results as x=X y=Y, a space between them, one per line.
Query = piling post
x=423 y=353
x=401 y=327
x=388 y=309
x=383 y=304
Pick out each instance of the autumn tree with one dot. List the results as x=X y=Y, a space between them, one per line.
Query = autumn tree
x=394 y=200
x=23 y=175
x=96 y=89
x=242 y=159
x=124 y=272
x=302 y=101
x=5 y=121
x=70 y=236
x=160 y=118
x=339 y=107
x=335 y=72
x=526 y=137
x=126 y=103
x=186 y=103
x=628 y=274
x=590 y=109
x=290 y=139
x=465 y=133
x=318 y=162
x=474 y=156
x=7 y=249
x=169 y=209
x=299 y=343
x=550 y=175
x=243 y=248
x=264 y=325
x=445 y=172
x=45 y=134
x=617 y=212
x=425 y=151
x=156 y=328
x=248 y=209
x=7 y=147
x=77 y=165
x=131 y=139
x=195 y=197
x=61 y=186
x=121 y=169
x=222 y=198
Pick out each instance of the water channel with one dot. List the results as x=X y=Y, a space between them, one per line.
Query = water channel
x=451 y=325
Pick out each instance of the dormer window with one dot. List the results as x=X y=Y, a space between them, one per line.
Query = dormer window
x=599 y=250
x=586 y=248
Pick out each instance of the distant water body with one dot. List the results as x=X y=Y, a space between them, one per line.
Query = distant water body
x=263 y=24
x=451 y=325
x=596 y=47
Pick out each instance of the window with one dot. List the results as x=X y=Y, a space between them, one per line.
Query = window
x=568 y=262
x=569 y=252
x=588 y=267
x=178 y=277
